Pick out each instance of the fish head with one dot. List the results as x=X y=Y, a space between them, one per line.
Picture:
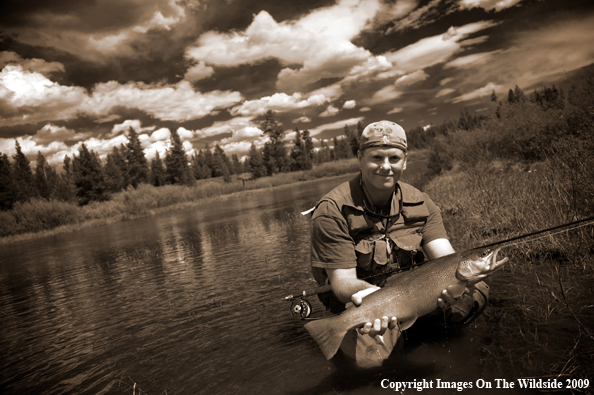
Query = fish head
x=478 y=264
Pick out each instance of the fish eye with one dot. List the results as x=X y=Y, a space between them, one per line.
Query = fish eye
x=485 y=253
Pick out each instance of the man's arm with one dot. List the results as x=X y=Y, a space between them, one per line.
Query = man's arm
x=438 y=248
x=345 y=283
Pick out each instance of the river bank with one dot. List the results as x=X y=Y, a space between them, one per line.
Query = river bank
x=41 y=218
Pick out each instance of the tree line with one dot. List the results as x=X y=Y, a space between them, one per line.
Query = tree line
x=273 y=157
x=86 y=178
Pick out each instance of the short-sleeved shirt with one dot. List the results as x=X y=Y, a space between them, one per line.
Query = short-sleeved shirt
x=346 y=235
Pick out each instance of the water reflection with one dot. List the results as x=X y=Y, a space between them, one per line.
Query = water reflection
x=175 y=302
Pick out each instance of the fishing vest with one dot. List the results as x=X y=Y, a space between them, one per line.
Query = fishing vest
x=381 y=244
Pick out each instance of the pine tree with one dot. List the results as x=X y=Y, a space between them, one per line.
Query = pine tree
x=209 y=161
x=65 y=189
x=158 y=175
x=255 y=162
x=45 y=177
x=519 y=94
x=274 y=153
x=511 y=96
x=22 y=176
x=176 y=162
x=221 y=164
x=308 y=145
x=342 y=146
x=236 y=165
x=354 y=138
x=115 y=165
x=198 y=166
x=300 y=159
x=7 y=187
x=88 y=177
x=137 y=163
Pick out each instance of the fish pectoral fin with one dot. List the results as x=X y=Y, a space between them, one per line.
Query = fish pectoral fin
x=404 y=325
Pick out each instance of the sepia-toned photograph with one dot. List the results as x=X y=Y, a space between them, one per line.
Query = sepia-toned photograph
x=296 y=197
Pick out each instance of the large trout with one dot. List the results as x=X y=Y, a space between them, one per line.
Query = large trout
x=409 y=295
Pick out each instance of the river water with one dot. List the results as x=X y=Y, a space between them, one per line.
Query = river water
x=190 y=302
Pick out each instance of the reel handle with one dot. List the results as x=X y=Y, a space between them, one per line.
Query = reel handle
x=310 y=292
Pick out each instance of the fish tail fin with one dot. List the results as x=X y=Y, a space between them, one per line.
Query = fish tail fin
x=328 y=333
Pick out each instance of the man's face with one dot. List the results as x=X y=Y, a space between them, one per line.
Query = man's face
x=381 y=167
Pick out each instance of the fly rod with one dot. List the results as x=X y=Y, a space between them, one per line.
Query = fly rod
x=570 y=225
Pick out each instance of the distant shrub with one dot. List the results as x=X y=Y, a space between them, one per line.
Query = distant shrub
x=40 y=214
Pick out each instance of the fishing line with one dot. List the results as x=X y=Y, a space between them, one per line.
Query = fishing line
x=570 y=226
x=548 y=235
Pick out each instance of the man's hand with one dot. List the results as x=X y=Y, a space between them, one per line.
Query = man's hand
x=379 y=326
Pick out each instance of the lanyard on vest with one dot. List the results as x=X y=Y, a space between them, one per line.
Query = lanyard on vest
x=383 y=218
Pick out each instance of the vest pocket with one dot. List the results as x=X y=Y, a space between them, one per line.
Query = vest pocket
x=408 y=239
x=364 y=251
x=415 y=212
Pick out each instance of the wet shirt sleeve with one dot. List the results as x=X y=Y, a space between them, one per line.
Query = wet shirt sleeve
x=433 y=228
x=331 y=245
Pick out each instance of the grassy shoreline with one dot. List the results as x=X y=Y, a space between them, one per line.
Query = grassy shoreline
x=39 y=218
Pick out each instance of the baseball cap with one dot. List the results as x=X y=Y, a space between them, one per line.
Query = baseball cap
x=383 y=134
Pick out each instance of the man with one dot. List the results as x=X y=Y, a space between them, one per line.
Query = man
x=374 y=224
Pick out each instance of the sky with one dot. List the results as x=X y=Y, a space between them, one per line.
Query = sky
x=75 y=71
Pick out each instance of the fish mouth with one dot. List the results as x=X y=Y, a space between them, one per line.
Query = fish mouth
x=494 y=263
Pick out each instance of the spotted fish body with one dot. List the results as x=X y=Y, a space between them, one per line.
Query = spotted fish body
x=409 y=295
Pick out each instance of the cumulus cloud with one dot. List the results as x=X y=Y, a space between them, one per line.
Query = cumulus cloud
x=446 y=81
x=177 y=102
x=434 y=50
x=184 y=134
x=330 y=111
x=302 y=119
x=395 y=110
x=417 y=18
x=330 y=92
x=113 y=41
x=394 y=11
x=471 y=60
x=349 y=104
x=411 y=78
x=535 y=57
x=241 y=129
x=30 y=146
x=28 y=97
x=478 y=93
x=444 y=92
x=127 y=124
x=385 y=94
x=159 y=21
x=488 y=5
x=109 y=43
x=51 y=133
x=38 y=65
x=376 y=67
x=319 y=42
x=335 y=125
x=278 y=102
x=198 y=72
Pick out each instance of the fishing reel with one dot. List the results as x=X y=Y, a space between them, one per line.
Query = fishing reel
x=300 y=308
